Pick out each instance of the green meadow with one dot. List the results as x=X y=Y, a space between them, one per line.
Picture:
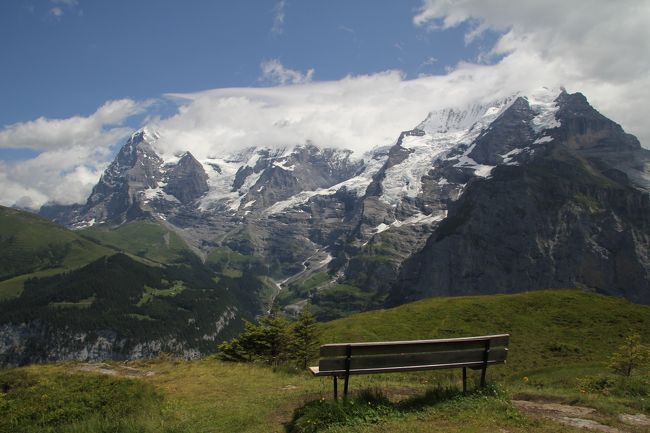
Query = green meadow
x=562 y=342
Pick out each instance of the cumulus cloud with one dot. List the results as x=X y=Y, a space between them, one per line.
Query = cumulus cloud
x=63 y=176
x=101 y=128
x=73 y=153
x=596 y=46
x=274 y=72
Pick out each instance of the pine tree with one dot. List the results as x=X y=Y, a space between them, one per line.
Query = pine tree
x=275 y=338
x=247 y=347
x=253 y=341
x=305 y=339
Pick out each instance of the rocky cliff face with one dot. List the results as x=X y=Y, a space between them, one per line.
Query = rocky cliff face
x=519 y=193
x=25 y=344
x=186 y=180
x=573 y=213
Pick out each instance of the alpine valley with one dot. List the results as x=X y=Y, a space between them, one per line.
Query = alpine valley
x=531 y=191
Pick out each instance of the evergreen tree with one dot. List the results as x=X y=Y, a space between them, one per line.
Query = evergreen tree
x=305 y=341
x=247 y=347
x=276 y=338
x=274 y=341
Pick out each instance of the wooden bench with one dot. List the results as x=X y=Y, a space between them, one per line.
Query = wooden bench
x=345 y=359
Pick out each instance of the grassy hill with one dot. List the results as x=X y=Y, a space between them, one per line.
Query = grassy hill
x=548 y=328
x=141 y=238
x=561 y=344
x=30 y=244
x=120 y=307
x=133 y=290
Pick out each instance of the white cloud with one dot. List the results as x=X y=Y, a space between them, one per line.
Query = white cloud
x=275 y=73
x=74 y=152
x=278 y=18
x=56 y=12
x=356 y=112
x=61 y=175
x=100 y=129
x=599 y=47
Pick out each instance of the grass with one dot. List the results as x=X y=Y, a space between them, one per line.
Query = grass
x=302 y=288
x=31 y=245
x=52 y=400
x=177 y=287
x=145 y=239
x=227 y=258
x=212 y=396
x=83 y=303
x=436 y=410
x=232 y=273
x=13 y=287
x=548 y=328
x=339 y=300
x=268 y=290
x=561 y=341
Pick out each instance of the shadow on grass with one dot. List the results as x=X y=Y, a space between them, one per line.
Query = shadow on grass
x=372 y=405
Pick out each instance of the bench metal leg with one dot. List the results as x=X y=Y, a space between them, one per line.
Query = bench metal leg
x=486 y=356
x=464 y=379
x=483 y=371
x=348 y=356
x=336 y=393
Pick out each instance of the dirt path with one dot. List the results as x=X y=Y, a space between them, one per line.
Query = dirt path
x=113 y=370
x=578 y=416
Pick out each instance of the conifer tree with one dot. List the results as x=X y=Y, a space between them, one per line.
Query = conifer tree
x=305 y=342
x=247 y=347
x=274 y=341
x=275 y=338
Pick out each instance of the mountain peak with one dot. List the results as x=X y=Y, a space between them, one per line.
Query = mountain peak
x=186 y=180
x=144 y=134
x=453 y=119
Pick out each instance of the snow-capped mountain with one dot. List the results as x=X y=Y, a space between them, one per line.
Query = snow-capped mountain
x=366 y=218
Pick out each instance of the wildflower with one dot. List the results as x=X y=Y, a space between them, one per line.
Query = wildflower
x=525 y=379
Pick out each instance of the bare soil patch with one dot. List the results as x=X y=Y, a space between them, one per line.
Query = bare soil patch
x=574 y=416
x=112 y=370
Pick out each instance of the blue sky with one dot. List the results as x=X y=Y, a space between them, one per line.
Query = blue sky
x=66 y=58
x=78 y=76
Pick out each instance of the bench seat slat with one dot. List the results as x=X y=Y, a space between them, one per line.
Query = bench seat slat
x=475 y=365
x=415 y=346
x=412 y=359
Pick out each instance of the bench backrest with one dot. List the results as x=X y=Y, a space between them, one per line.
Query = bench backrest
x=392 y=356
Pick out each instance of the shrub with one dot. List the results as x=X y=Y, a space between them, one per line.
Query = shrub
x=275 y=341
x=631 y=355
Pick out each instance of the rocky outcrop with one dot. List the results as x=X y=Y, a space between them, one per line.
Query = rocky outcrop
x=187 y=181
x=38 y=342
x=574 y=213
x=602 y=142
x=507 y=133
x=26 y=344
x=116 y=197
x=549 y=225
